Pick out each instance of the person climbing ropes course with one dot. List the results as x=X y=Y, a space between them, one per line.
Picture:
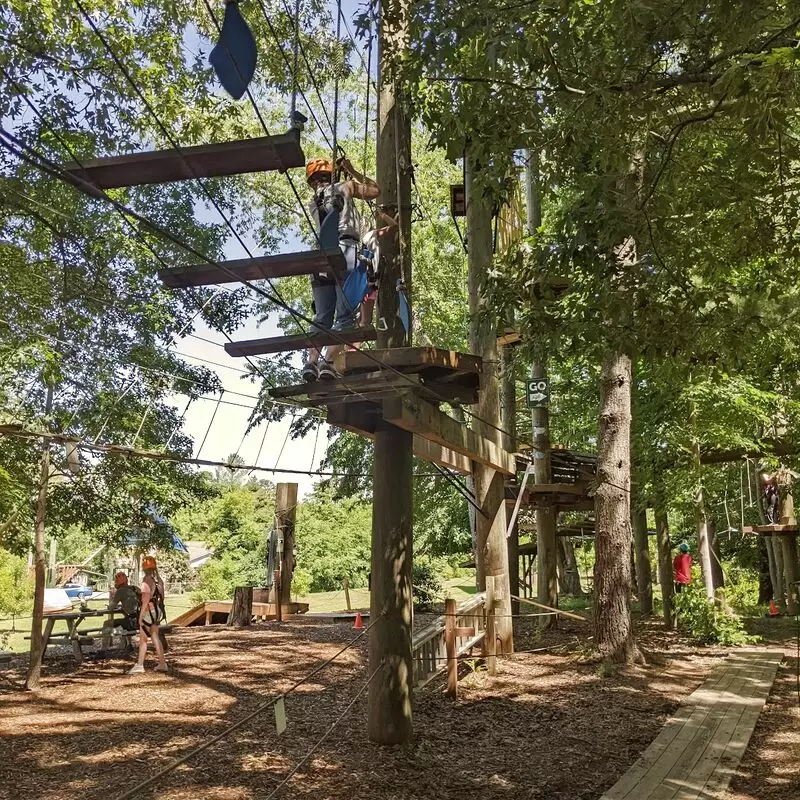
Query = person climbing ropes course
x=337 y=223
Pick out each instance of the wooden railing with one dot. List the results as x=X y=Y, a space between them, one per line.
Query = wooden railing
x=429 y=646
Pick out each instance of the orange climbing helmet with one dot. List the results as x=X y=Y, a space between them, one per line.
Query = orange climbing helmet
x=148 y=562
x=319 y=167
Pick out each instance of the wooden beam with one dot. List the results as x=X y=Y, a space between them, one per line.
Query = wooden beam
x=263 y=154
x=772 y=529
x=362 y=422
x=284 y=265
x=409 y=357
x=424 y=419
x=374 y=386
x=281 y=344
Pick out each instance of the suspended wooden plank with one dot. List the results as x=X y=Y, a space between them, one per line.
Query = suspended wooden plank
x=284 y=265
x=362 y=419
x=426 y=420
x=770 y=530
x=300 y=341
x=411 y=359
x=263 y=154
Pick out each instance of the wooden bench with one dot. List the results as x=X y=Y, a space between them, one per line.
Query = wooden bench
x=125 y=635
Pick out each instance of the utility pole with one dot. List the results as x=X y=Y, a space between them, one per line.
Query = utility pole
x=389 y=704
x=491 y=551
x=546 y=539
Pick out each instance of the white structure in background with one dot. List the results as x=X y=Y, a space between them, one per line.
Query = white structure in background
x=199 y=554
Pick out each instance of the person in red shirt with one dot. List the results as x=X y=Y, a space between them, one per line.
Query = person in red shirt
x=682 y=568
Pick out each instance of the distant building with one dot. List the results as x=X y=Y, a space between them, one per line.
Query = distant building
x=199 y=554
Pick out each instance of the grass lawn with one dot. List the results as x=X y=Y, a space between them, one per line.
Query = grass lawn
x=458 y=588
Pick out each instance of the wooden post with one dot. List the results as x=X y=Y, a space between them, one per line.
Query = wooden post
x=241 y=612
x=491 y=626
x=37 y=641
x=278 y=595
x=285 y=514
x=346 y=587
x=789 y=546
x=777 y=552
x=389 y=699
x=450 y=646
x=209 y=617
x=492 y=548
x=644 y=575
x=701 y=519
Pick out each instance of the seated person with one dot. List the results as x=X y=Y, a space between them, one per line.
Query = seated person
x=129 y=599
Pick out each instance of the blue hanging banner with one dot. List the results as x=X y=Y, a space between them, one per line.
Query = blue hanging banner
x=234 y=57
x=402 y=306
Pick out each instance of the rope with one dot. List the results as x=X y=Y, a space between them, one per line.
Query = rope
x=235 y=726
x=327 y=733
x=213 y=417
x=336 y=88
x=295 y=50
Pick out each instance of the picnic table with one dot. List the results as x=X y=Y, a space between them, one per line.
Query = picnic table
x=73 y=635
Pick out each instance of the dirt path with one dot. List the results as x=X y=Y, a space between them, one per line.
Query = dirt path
x=549 y=726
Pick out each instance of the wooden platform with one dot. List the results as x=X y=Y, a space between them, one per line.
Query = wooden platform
x=432 y=363
x=204 y=613
x=698 y=750
x=772 y=530
x=300 y=341
x=373 y=386
x=565 y=496
x=285 y=265
x=263 y=154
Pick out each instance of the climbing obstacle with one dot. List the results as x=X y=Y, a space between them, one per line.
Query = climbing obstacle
x=265 y=153
x=284 y=265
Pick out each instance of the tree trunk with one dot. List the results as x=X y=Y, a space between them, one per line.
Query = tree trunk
x=716 y=561
x=492 y=551
x=569 y=579
x=777 y=553
x=390 y=662
x=701 y=519
x=613 y=630
x=36 y=650
x=241 y=612
x=644 y=575
x=664 y=559
x=766 y=569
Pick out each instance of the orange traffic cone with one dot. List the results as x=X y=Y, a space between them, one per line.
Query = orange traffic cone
x=773 y=609
x=359 y=622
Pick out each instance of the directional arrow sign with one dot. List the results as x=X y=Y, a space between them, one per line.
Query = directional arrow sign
x=537 y=393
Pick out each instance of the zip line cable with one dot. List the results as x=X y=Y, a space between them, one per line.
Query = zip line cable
x=236 y=725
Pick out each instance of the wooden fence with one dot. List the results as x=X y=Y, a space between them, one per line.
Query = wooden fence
x=429 y=645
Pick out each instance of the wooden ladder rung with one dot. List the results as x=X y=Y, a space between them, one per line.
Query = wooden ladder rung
x=284 y=265
x=300 y=341
x=263 y=154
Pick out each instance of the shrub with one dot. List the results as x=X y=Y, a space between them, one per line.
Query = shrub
x=426 y=585
x=301 y=582
x=16 y=586
x=709 y=622
x=741 y=588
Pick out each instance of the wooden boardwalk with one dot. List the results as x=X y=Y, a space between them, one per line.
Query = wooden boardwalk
x=698 y=750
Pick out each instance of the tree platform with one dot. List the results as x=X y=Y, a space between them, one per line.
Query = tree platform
x=299 y=341
x=698 y=750
x=564 y=496
x=772 y=530
x=284 y=265
x=262 y=154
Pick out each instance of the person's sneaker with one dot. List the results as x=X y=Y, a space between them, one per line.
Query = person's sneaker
x=136 y=669
x=159 y=668
x=327 y=372
x=310 y=372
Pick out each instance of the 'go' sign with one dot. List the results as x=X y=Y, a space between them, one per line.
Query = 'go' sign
x=537 y=393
